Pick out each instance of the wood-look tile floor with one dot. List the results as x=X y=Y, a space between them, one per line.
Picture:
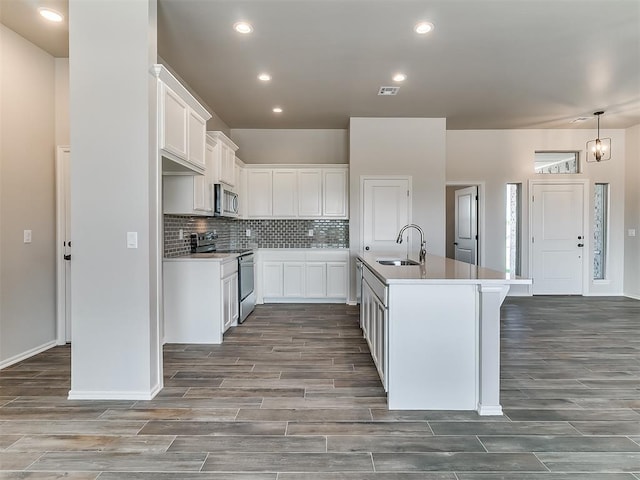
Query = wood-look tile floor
x=292 y=394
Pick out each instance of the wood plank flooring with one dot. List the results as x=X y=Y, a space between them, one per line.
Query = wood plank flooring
x=292 y=394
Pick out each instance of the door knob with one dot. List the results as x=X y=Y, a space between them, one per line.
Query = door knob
x=581 y=244
x=579 y=237
x=366 y=248
x=455 y=243
x=67 y=257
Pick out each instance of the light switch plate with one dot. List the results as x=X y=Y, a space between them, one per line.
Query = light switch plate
x=247 y=232
x=310 y=233
x=27 y=236
x=132 y=239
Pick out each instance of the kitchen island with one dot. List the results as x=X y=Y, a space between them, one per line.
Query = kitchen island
x=434 y=332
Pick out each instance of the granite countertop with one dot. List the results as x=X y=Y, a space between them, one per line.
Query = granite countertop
x=436 y=270
x=213 y=256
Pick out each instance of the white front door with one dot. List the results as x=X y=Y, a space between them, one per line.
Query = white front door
x=63 y=245
x=385 y=210
x=466 y=225
x=557 y=238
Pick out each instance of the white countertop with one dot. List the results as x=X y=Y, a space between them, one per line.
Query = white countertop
x=436 y=270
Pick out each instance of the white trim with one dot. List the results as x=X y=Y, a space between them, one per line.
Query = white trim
x=604 y=294
x=114 y=395
x=62 y=188
x=481 y=217
x=162 y=73
x=486 y=410
x=28 y=354
x=586 y=226
x=629 y=295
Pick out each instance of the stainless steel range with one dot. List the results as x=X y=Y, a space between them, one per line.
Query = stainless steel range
x=206 y=243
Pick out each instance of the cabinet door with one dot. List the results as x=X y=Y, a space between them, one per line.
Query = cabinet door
x=228 y=165
x=272 y=279
x=202 y=200
x=309 y=193
x=381 y=342
x=229 y=300
x=315 y=280
x=197 y=131
x=337 y=279
x=335 y=193
x=259 y=192
x=173 y=131
x=285 y=193
x=293 y=284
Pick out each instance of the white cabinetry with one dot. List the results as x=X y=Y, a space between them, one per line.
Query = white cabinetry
x=314 y=275
x=334 y=182
x=230 y=305
x=190 y=194
x=374 y=322
x=310 y=193
x=284 y=193
x=224 y=159
x=182 y=126
x=200 y=299
x=293 y=279
x=301 y=192
x=259 y=189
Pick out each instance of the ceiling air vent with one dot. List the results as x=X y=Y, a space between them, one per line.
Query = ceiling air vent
x=388 y=90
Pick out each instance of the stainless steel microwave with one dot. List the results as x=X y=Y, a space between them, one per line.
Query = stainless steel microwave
x=225 y=202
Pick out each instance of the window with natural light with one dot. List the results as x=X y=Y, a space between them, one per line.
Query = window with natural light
x=600 y=230
x=513 y=213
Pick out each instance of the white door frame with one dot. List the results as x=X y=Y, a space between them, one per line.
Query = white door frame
x=62 y=189
x=481 y=217
x=586 y=256
x=408 y=178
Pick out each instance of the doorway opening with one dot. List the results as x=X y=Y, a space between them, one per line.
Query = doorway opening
x=464 y=207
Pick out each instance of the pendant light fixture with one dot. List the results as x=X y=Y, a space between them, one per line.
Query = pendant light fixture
x=598 y=150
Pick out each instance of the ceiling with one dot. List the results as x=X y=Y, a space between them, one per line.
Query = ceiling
x=488 y=64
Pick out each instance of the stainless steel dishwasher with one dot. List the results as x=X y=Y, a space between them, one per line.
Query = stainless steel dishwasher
x=246 y=286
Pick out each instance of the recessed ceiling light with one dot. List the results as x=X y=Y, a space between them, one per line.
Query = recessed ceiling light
x=243 y=27
x=423 y=28
x=399 y=77
x=277 y=110
x=51 y=15
x=264 y=77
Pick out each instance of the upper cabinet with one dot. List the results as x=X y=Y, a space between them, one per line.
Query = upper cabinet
x=302 y=192
x=225 y=159
x=181 y=126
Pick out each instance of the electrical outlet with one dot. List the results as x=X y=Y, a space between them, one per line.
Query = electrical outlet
x=132 y=239
x=27 y=236
x=247 y=232
x=310 y=232
x=181 y=234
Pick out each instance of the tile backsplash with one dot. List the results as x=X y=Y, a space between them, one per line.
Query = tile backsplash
x=262 y=233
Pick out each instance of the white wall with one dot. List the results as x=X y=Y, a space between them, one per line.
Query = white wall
x=632 y=214
x=499 y=157
x=27 y=198
x=291 y=146
x=114 y=190
x=401 y=146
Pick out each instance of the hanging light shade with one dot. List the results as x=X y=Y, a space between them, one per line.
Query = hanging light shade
x=598 y=150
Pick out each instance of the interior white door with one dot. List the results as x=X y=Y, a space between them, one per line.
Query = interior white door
x=557 y=238
x=466 y=225
x=63 y=245
x=385 y=210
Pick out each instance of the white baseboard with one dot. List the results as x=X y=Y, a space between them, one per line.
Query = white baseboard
x=352 y=302
x=29 y=353
x=486 y=410
x=114 y=395
x=305 y=300
x=630 y=295
x=604 y=294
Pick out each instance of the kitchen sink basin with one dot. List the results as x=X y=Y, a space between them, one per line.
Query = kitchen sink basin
x=398 y=262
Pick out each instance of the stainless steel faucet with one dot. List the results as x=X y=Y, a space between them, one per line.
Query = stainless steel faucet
x=423 y=244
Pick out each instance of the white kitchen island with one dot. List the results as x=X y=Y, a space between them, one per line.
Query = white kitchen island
x=434 y=332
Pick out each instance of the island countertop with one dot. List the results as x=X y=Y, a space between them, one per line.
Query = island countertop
x=436 y=270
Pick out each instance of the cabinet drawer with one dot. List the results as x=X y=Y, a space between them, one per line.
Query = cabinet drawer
x=229 y=267
x=376 y=285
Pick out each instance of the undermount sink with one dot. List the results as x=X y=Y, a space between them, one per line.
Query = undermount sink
x=398 y=263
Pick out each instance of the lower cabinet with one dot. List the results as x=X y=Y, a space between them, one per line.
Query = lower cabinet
x=230 y=307
x=200 y=299
x=289 y=275
x=374 y=320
